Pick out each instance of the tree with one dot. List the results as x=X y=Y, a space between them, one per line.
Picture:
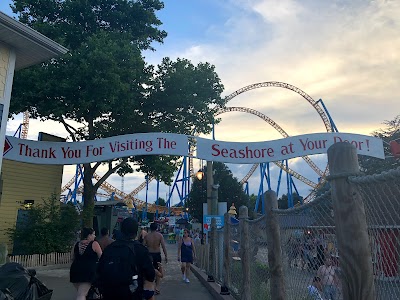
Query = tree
x=283 y=201
x=49 y=227
x=103 y=87
x=161 y=202
x=372 y=165
x=252 y=201
x=230 y=190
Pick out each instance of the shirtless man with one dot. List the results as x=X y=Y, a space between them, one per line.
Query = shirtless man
x=153 y=241
x=328 y=279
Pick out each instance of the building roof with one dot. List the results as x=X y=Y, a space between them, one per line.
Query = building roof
x=109 y=203
x=31 y=47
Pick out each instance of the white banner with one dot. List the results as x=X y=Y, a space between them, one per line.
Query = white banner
x=268 y=151
x=59 y=153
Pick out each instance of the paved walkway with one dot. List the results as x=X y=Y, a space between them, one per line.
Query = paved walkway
x=172 y=287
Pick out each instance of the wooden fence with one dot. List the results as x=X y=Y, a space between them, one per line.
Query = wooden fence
x=39 y=260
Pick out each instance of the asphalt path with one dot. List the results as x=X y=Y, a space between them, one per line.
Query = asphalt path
x=172 y=286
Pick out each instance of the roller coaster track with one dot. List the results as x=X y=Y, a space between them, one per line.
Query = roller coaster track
x=139 y=203
x=283 y=133
x=25 y=125
x=320 y=111
x=274 y=125
x=314 y=104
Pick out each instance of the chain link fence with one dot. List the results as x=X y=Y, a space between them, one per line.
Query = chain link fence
x=310 y=259
x=309 y=249
x=235 y=266
x=259 y=269
x=381 y=197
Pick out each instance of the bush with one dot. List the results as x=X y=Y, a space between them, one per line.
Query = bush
x=49 y=227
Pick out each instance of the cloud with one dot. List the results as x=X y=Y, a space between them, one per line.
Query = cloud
x=342 y=51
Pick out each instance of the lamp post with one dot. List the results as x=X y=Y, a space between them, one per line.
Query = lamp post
x=210 y=182
x=212 y=191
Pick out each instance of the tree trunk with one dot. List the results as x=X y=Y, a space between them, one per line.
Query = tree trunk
x=88 y=196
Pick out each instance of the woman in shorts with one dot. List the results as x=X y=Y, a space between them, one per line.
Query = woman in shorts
x=186 y=254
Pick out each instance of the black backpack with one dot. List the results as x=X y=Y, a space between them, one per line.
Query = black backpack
x=117 y=266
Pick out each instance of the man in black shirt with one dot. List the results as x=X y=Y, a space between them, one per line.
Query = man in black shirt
x=122 y=259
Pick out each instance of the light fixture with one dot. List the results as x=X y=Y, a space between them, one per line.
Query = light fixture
x=28 y=203
x=199 y=175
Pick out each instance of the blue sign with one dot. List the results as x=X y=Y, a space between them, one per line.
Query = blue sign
x=207 y=222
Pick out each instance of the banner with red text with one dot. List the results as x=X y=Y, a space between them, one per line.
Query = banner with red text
x=71 y=153
x=276 y=150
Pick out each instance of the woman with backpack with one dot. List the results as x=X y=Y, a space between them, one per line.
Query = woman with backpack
x=85 y=255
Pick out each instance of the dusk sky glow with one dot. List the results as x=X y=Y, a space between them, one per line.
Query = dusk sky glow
x=345 y=52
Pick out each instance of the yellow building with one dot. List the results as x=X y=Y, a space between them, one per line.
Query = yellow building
x=21 y=47
x=26 y=184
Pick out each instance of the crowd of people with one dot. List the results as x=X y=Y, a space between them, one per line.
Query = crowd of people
x=127 y=265
x=310 y=253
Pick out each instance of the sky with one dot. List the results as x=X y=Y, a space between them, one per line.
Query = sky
x=345 y=52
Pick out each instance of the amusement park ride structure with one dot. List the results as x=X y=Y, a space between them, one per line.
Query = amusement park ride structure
x=182 y=181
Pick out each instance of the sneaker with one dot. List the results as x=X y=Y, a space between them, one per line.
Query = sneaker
x=184 y=277
x=187 y=280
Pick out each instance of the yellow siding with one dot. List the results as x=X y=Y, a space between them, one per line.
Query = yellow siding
x=4 y=57
x=22 y=181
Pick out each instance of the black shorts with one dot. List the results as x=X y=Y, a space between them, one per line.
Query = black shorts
x=156 y=258
x=148 y=294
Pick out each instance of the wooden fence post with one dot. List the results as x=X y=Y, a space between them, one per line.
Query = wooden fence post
x=245 y=251
x=277 y=283
x=355 y=258
x=226 y=274
x=213 y=244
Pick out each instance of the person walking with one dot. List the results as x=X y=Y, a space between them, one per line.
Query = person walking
x=124 y=266
x=142 y=234
x=327 y=273
x=105 y=239
x=186 y=254
x=149 y=287
x=153 y=240
x=85 y=254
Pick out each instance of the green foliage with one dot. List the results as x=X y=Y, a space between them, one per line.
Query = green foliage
x=49 y=227
x=161 y=201
x=72 y=22
x=372 y=165
x=283 y=201
x=230 y=190
x=102 y=87
x=252 y=201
